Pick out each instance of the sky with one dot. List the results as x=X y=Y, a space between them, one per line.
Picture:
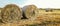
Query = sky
x=38 y=3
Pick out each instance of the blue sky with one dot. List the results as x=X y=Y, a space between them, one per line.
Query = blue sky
x=38 y=3
x=5 y=2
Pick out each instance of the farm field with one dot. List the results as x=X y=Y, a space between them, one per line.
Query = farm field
x=44 y=19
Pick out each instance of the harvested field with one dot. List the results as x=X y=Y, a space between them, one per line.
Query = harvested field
x=42 y=20
x=35 y=17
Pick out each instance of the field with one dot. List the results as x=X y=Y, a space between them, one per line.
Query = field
x=44 y=19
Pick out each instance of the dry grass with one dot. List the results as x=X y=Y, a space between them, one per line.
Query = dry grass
x=52 y=19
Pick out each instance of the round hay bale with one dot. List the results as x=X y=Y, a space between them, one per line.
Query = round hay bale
x=11 y=12
x=30 y=11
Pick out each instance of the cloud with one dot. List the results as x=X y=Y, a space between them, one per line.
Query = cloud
x=38 y=3
x=44 y=3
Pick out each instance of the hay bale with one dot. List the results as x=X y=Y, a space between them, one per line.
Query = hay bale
x=30 y=11
x=11 y=12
